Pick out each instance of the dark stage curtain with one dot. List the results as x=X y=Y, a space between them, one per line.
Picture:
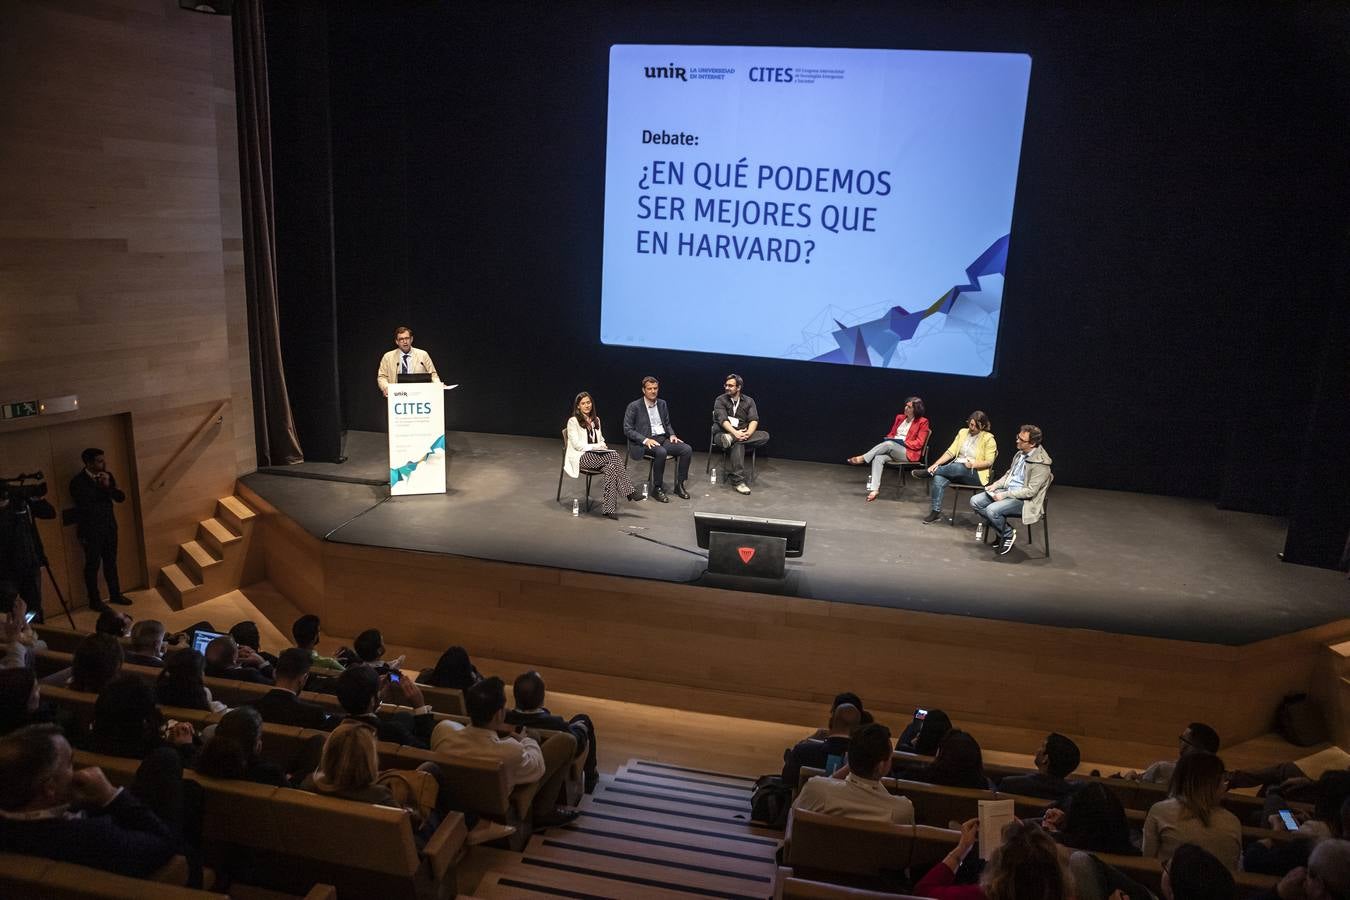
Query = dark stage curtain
x=273 y=425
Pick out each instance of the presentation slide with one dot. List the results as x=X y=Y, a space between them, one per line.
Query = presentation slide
x=841 y=206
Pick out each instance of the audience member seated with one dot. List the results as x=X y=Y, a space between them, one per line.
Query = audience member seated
x=1192 y=874
x=226 y=659
x=452 y=670
x=283 y=705
x=859 y=794
x=234 y=751
x=1326 y=877
x=922 y=736
x=181 y=683
x=959 y=763
x=49 y=810
x=528 y=691
x=147 y=644
x=96 y=661
x=1330 y=817
x=128 y=723
x=1056 y=758
x=526 y=758
x=1191 y=814
x=349 y=768
x=20 y=702
x=846 y=697
x=1197 y=737
x=18 y=643
x=358 y=690
x=368 y=649
x=816 y=753
x=306 y=633
x=1092 y=819
x=1026 y=867
x=1286 y=780
x=110 y=621
x=246 y=634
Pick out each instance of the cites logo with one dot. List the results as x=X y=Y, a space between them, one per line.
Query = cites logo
x=666 y=71
x=411 y=408
x=770 y=73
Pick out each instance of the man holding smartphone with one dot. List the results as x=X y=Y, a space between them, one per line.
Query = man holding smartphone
x=95 y=491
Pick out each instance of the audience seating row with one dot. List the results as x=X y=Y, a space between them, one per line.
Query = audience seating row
x=871 y=854
x=940 y=806
x=64 y=640
x=1132 y=794
x=288 y=839
x=32 y=876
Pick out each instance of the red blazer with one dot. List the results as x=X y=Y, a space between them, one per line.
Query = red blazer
x=917 y=437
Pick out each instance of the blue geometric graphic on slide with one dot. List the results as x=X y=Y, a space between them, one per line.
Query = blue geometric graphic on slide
x=404 y=472
x=955 y=333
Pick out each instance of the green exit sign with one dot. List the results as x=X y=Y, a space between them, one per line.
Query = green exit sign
x=19 y=410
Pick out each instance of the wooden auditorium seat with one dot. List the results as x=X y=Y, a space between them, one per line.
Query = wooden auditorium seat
x=293 y=839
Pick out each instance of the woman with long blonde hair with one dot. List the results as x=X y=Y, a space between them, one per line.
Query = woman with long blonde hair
x=1192 y=813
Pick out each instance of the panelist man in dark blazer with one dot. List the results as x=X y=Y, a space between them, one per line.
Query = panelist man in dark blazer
x=646 y=424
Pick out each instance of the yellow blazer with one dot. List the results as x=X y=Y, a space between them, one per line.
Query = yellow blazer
x=986 y=449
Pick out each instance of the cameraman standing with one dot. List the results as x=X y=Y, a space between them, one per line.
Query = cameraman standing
x=95 y=491
x=21 y=554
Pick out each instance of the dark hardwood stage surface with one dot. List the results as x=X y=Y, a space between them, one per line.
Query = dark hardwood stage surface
x=1126 y=563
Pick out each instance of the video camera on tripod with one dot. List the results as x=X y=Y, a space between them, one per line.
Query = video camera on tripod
x=23 y=487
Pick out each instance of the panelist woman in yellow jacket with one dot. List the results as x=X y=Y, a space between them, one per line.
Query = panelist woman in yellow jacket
x=969 y=460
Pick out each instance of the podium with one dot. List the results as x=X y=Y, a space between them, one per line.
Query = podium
x=416 y=438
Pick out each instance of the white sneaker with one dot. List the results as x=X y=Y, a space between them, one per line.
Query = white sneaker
x=742 y=487
x=487 y=831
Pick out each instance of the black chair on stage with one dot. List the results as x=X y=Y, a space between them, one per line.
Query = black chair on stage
x=904 y=468
x=957 y=490
x=1044 y=520
x=651 y=463
x=712 y=446
x=588 y=474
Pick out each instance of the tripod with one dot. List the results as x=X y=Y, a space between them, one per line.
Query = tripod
x=59 y=596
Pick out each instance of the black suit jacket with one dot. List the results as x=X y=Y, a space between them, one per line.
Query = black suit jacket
x=282 y=707
x=813 y=754
x=94 y=505
x=241 y=673
x=637 y=425
x=401 y=728
x=124 y=837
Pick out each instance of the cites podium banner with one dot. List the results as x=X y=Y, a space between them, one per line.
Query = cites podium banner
x=416 y=438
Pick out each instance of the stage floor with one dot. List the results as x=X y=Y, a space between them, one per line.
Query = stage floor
x=1125 y=563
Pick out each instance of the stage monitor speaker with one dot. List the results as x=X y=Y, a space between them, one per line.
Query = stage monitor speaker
x=751 y=555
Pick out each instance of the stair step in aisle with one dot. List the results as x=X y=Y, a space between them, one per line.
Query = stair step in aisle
x=650 y=830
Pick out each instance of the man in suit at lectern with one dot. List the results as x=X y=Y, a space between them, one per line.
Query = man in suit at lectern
x=404 y=359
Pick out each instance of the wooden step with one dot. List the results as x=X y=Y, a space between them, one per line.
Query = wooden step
x=684 y=804
x=688 y=835
x=669 y=848
x=195 y=560
x=514 y=883
x=641 y=873
x=665 y=770
x=216 y=536
x=235 y=513
x=177 y=584
x=653 y=814
x=694 y=787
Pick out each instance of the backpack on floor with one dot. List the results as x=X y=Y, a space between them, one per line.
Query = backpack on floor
x=1299 y=721
x=770 y=801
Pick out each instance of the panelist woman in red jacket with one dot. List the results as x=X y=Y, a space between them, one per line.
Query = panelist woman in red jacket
x=904 y=443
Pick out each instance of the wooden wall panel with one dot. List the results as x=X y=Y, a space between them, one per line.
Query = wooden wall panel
x=717 y=651
x=120 y=254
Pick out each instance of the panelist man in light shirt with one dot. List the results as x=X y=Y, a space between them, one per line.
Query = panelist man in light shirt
x=404 y=359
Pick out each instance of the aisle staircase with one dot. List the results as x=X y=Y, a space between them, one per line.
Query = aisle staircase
x=212 y=563
x=651 y=830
